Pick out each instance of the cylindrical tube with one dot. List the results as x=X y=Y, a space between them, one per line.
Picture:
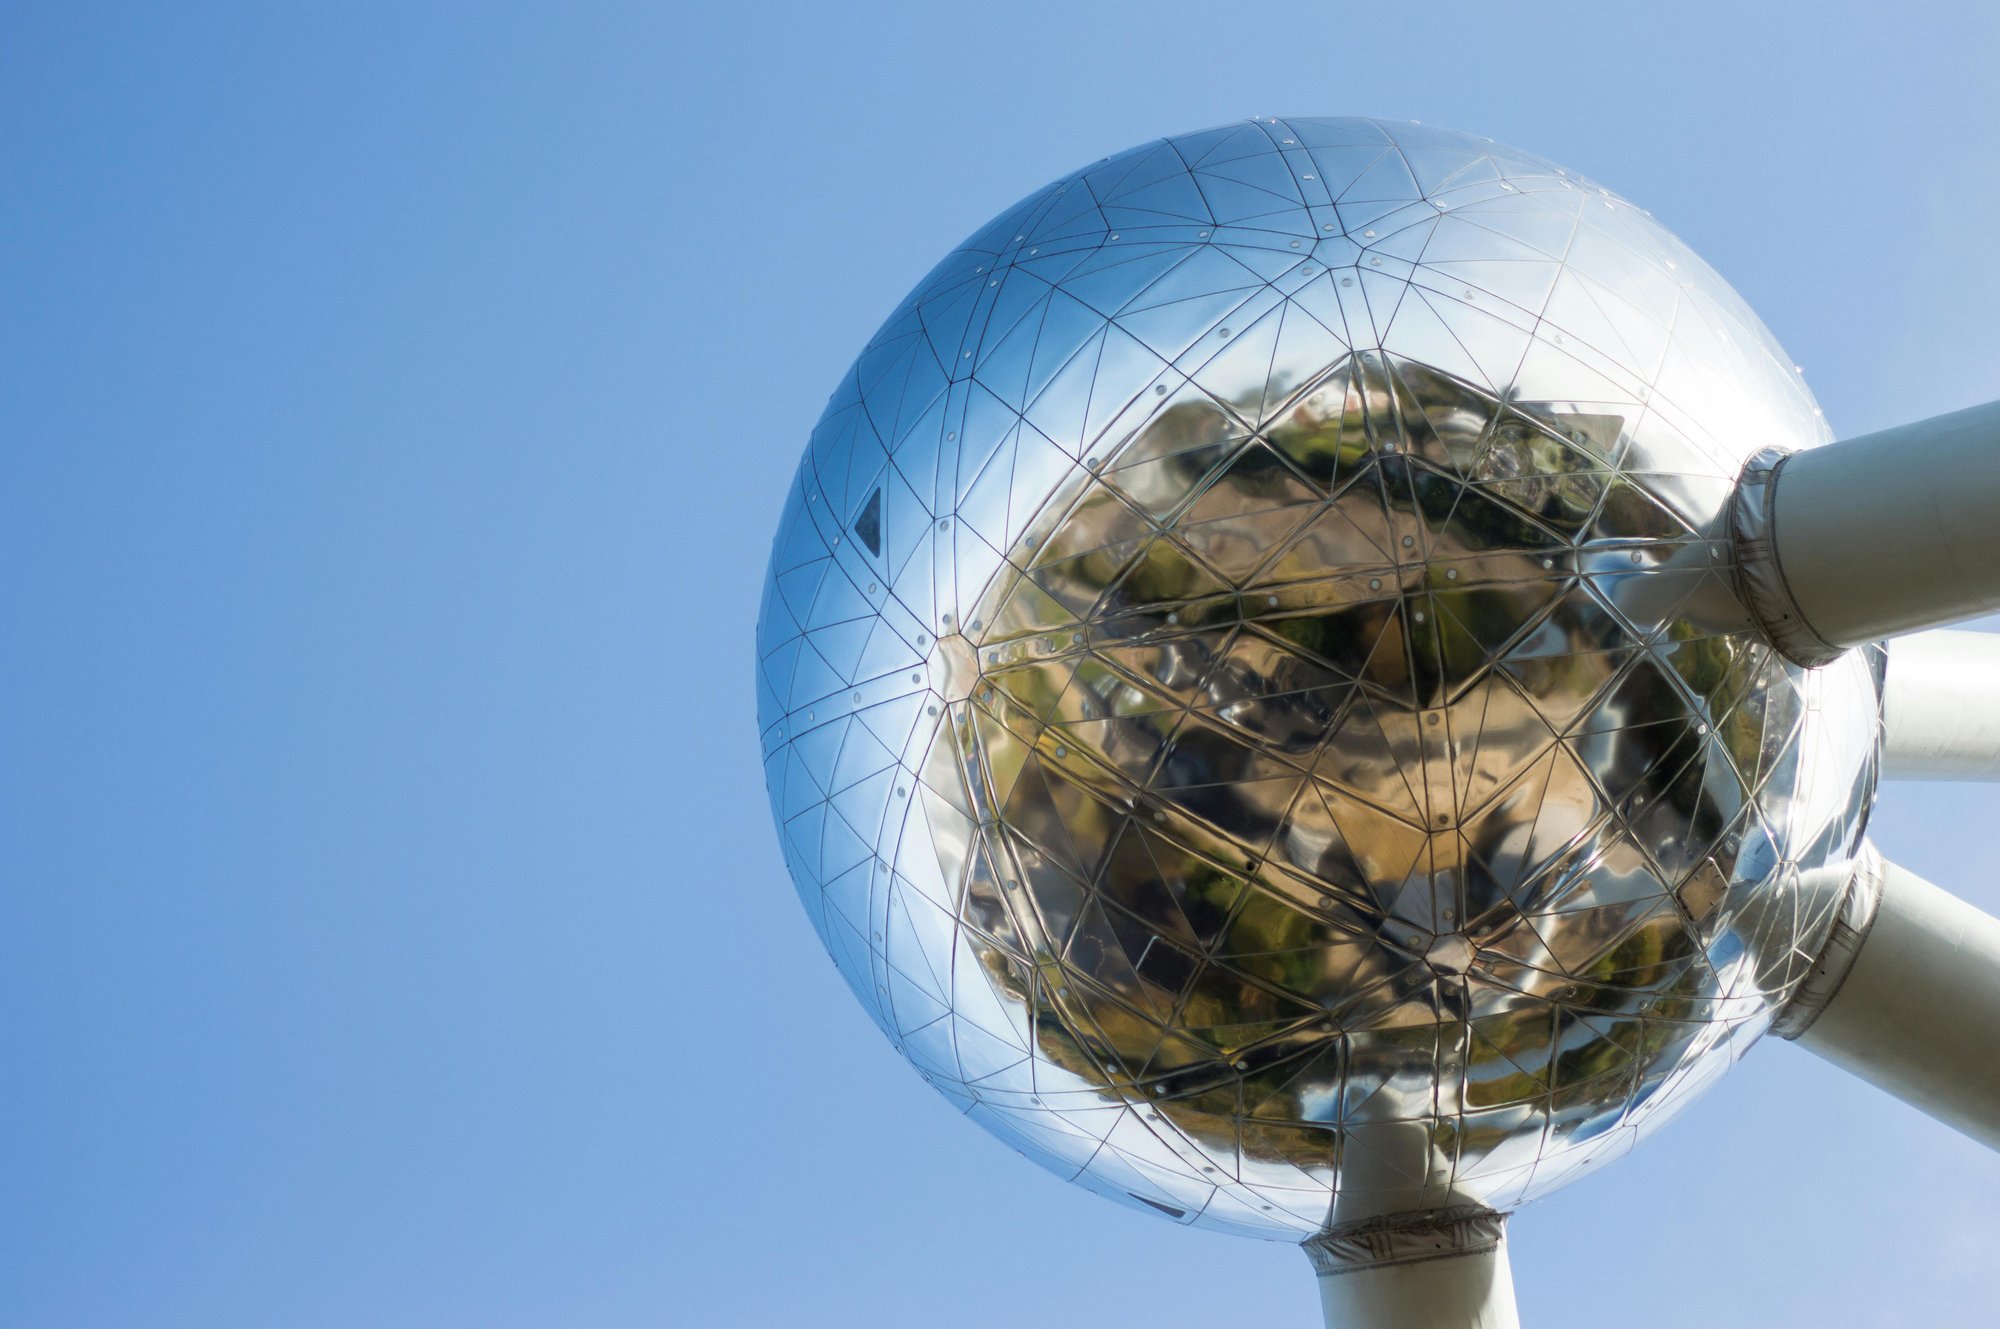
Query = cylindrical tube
x=1917 y=1013
x=1446 y=1269
x=1941 y=707
x=1462 y=1292
x=1895 y=531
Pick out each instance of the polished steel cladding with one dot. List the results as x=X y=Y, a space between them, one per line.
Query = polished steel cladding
x=1249 y=689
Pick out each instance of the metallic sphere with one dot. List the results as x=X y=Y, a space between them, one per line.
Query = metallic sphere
x=1247 y=690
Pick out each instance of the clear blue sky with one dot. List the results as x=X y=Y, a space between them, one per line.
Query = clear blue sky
x=396 y=403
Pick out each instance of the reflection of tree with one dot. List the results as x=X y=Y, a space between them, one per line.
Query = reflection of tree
x=1168 y=959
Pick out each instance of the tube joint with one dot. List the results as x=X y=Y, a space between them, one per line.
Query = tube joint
x=1760 y=578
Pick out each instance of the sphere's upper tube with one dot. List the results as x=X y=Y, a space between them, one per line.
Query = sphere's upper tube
x=1875 y=536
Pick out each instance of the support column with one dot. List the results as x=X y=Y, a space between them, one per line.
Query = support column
x=1941 y=707
x=1874 y=536
x=1907 y=996
x=1446 y=1269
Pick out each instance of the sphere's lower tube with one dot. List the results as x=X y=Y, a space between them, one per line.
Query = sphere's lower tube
x=1888 y=533
x=1917 y=1011
x=1440 y=1271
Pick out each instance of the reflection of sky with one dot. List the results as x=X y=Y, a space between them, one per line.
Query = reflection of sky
x=394 y=932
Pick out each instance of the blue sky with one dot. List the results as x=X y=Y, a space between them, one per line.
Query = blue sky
x=398 y=401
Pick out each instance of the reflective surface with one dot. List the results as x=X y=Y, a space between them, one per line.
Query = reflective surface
x=1246 y=684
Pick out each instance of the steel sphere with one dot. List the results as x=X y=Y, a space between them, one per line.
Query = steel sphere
x=1247 y=687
